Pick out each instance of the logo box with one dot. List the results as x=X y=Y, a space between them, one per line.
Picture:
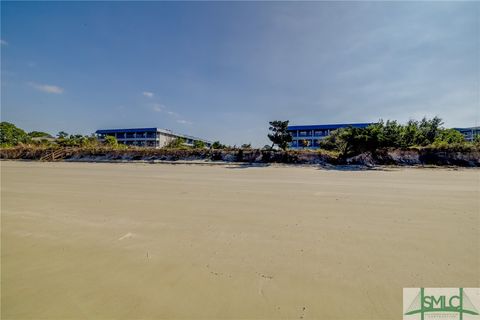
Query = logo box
x=441 y=303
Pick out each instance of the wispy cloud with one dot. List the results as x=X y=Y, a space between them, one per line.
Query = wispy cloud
x=148 y=94
x=157 y=107
x=181 y=121
x=48 y=88
x=171 y=113
x=3 y=42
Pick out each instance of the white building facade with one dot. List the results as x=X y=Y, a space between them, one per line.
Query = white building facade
x=147 y=137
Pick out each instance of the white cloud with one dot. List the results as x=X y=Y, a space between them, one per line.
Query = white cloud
x=3 y=42
x=174 y=114
x=148 y=94
x=48 y=88
x=157 y=107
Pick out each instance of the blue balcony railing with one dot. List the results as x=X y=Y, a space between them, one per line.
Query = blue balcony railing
x=307 y=133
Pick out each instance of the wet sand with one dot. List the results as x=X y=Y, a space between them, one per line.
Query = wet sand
x=125 y=241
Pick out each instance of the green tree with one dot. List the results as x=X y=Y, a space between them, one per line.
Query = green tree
x=337 y=140
x=476 y=139
x=427 y=131
x=408 y=134
x=62 y=135
x=10 y=135
x=197 y=144
x=350 y=141
x=390 y=134
x=279 y=134
x=246 y=146
x=92 y=141
x=217 y=145
x=111 y=141
x=39 y=134
x=449 y=136
x=73 y=140
x=176 y=143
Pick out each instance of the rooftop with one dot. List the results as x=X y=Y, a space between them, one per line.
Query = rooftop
x=467 y=129
x=329 y=126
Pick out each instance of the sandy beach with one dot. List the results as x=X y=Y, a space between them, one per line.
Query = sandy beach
x=131 y=241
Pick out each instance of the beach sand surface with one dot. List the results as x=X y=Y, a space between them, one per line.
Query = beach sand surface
x=131 y=241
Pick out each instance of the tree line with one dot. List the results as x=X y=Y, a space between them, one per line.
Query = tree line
x=381 y=135
x=346 y=141
x=11 y=135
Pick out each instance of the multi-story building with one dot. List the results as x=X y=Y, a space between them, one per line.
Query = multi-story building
x=147 y=137
x=309 y=137
x=469 y=133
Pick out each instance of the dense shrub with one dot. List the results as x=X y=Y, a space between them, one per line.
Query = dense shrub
x=111 y=141
x=197 y=144
x=177 y=143
x=39 y=134
x=10 y=135
x=390 y=134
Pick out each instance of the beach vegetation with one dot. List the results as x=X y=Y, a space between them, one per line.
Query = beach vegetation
x=73 y=140
x=378 y=139
x=218 y=145
x=279 y=134
x=62 y=135
x=111 y=141
x=197 y=144
x=39 y=134
x=351 y=141
x=11 y=135
x=177 y=143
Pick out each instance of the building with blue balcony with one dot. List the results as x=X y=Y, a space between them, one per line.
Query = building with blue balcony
x=309 y=136
x=147 y=137
x=469 y=133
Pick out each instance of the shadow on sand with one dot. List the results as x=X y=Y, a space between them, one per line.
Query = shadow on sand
x=248 y=165
x=328 y=167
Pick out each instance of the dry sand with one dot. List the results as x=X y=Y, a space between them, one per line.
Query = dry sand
x=124 y=241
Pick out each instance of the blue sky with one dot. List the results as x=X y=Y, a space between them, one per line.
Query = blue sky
x=222 y=70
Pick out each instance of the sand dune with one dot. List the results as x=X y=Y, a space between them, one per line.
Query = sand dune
x=124 y=241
